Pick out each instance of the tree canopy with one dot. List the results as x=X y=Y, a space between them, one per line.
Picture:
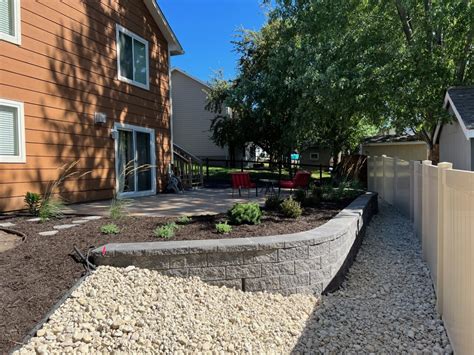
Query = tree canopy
x=333 y=71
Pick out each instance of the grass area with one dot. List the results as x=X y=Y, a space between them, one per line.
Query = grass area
x=222 y=174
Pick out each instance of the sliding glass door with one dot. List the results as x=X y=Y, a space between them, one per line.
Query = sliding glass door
x=135 y=160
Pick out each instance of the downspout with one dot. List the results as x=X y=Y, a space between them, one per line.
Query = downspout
x=170 y=87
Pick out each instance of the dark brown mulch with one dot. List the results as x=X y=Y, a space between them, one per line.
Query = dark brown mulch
x=35 y=274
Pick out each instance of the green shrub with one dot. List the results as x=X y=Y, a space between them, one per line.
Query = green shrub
x=166 y=231
x=50 y=208
x=110 y=228
x=345 y=190
x=272 y=203
x=291 y=208
x=245 y=213
x=223 y=228
x=33 y=202
x=299 y=195
x=183 y=220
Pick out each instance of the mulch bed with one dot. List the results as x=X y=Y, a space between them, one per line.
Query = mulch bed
x=35 y=274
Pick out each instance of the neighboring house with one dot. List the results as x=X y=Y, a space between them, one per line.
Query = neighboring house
x=316 y=155
x=405 y=146
x=456 y=139
x=84 y=81
x=191 y=121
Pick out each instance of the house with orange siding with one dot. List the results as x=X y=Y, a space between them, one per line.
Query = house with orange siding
x=85 y=81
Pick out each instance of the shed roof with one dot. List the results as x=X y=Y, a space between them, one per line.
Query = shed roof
x=391 y=138
x=461 y=101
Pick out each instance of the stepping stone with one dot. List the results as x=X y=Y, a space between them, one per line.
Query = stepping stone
x=92 y=218
x=36 y=219
x=65 y=226
x=7 y=224
x=80 y=221
x=48 y=233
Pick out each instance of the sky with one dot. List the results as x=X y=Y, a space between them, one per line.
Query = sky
x=205 y=29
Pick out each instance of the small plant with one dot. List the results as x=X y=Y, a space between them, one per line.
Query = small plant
x=110 y=228
x=299 y=195
x=51 y=208
x=33 y=202
x=291 y=208
x=118 y=208
x=272 y=203
x=223 y=228
x=166 y=231
x=183 y=220
x=245 y=213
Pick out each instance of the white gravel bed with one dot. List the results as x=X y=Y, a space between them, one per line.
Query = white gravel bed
x=140 y=311
x=387 y=303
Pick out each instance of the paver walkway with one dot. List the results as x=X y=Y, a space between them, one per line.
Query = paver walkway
x=387 y=303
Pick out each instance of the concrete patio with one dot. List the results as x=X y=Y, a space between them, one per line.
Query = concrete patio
x=190 y=203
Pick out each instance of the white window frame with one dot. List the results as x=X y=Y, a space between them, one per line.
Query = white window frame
x=311 y=156
x=21 y=157
x=136 y=37
x=16 y=39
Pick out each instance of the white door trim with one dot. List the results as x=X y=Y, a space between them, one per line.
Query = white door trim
x=133 y=128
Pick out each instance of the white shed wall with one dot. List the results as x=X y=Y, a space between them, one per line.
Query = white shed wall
x=454 y=147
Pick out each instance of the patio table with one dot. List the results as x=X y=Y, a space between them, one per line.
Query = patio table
x=269 y=186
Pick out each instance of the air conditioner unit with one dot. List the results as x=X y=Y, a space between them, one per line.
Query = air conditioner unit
x=99 y=117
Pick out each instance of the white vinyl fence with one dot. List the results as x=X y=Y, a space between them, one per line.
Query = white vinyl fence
x=440 y=202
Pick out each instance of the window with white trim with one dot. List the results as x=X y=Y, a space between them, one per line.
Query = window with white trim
x=12 y=132
x=314 y=156
x=132 y=58
x=10 y=21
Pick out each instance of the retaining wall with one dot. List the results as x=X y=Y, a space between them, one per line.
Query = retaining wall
x=310 y=262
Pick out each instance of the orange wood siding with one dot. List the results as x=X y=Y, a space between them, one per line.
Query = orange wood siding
x=65 y=70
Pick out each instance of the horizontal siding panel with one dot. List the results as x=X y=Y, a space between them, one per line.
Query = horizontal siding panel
x=45 y=175
x=50 y=137
x=119 y=111
x=67 y=152
x=20 y=188
x=55 y=163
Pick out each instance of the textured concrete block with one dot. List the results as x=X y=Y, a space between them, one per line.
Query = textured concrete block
x=318 y=249
x=236 y=283
x=196 y=260
x=320 y=276
x=175 y=272
x=283 y=268
x=151 y=262
x=243 y=271
x=329 y=259
x=293 y=253
x=290 y=281
x=221 y=259
x=261 y=256
x=307 y=265
x=262 y=284
x=177 y=261
x=208 y=273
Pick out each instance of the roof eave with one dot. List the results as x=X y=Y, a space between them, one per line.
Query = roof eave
x=448 y=102
x=174 y=46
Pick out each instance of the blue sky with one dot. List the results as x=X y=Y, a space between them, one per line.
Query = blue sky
x=206 y=28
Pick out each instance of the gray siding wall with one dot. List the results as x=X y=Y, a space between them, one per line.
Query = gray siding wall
x=454 y=147
x=191 y=122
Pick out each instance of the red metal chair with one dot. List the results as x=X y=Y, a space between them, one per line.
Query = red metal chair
x=300 y=181
x=242 y=181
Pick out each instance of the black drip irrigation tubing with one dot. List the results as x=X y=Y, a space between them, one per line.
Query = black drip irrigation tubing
x=13 y=231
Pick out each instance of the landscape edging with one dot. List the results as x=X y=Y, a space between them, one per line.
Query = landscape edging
x=306 y=262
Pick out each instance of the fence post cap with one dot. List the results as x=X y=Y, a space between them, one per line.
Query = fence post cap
x=426 y=162
x=445 y=165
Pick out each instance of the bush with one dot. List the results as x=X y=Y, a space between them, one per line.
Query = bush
x=345 y=190
x=223 y=228
x=245 y=213
x=291 y=208
x=110 y=228
x=299 y=195
x=183 y=220
x=33 y=202
x=166 y=231
x=50 y=208
x=272 y=203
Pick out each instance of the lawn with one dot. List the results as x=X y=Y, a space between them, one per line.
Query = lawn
x=221 y=174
